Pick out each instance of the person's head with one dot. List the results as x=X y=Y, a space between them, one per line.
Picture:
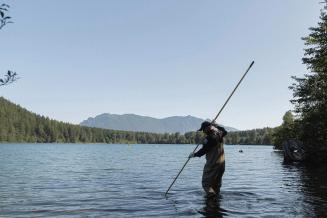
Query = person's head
x=205 y=127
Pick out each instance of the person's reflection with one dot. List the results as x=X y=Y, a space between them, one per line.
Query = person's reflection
x=212 y=207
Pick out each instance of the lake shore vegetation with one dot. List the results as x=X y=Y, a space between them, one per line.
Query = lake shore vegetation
x=309 y=124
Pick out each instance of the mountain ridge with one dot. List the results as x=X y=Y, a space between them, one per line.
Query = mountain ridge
x=140 y=123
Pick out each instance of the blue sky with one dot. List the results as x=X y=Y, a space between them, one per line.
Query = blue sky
x=159 y=58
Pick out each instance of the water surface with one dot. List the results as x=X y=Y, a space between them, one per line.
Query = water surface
x=99 y=180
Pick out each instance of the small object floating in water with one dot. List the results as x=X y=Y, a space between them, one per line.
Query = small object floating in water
x=293 y=150
x=241 y=151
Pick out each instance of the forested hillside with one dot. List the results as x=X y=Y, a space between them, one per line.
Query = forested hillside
x=19 y=125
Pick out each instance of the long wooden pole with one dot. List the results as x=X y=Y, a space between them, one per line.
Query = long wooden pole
x=212 y=122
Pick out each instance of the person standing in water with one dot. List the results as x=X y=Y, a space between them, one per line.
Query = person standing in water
x=213 y=148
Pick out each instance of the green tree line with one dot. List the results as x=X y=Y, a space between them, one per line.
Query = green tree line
x=251 y=137
x=19 y=125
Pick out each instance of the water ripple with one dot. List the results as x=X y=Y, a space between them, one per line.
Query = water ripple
x=56 y=180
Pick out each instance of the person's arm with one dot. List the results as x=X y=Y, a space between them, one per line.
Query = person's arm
x=223 y=130
x=210 y=142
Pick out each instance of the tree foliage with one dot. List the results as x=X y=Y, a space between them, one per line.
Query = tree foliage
x=310 y=92
x=10 y=77
x=4 y=20
x=250 y=137
x=285 y=131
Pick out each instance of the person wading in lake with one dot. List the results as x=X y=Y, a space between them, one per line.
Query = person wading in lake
x=214 y=150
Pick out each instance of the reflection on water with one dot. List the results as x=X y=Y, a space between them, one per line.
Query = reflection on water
x=313 y=186
x=73 y=180
x=212 y=208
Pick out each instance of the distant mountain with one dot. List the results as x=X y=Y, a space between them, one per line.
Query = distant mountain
x=19 y=125
x=137 y=123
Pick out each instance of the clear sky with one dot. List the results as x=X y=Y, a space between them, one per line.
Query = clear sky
x=159 y=58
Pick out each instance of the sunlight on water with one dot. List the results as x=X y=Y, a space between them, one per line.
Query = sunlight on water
x=51 y=180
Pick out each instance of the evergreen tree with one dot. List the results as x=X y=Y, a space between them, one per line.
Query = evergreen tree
x=310 y=92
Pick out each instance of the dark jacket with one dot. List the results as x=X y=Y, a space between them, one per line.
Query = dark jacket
x=213 y=147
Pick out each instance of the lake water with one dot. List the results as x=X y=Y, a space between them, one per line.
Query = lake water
x=99 y=180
